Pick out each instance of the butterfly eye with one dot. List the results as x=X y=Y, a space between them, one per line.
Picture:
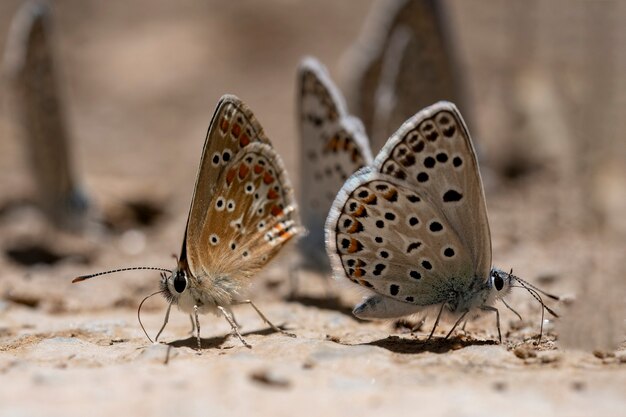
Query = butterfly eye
x=180 y=282
x=498 y=282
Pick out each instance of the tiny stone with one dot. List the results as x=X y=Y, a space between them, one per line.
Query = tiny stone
x=269 y=378
x=600 y=354
x=524 y=352
x=500 y=386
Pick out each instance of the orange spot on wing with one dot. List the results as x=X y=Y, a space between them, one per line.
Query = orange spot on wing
x=279 y=229
x=370 y=199
x=355 y=246
x=224 y=125
x=355 y=228
x=236 y=131
x=243 y=171
x=258 y=169
x=272 y=195
x=358 y=273
x=391 y=195
x=244 y=140
x=276 y=211
x=333 y=145
x=230 y=176
x=360 y=211
x=267 y=178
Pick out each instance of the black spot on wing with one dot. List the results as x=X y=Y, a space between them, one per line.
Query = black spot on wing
x=394 y=289
x=452 y=196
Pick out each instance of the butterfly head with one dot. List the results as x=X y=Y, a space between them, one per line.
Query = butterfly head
x=174 y=285
x=500 y=283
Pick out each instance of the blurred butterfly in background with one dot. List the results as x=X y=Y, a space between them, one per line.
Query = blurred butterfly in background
x=403 y=60
x=412 y=228
x=35 y=98
x=333 y=145
x=242 y=213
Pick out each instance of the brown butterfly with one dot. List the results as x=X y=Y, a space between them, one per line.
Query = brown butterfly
x=403 y=60
x=242 y=213
x=38 y=105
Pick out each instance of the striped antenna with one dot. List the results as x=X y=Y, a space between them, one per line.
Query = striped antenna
x=84 y=277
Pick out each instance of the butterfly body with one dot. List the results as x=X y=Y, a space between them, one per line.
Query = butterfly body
x=333 y=145
x=457 y=295
x=412 y=228
x=403 y=60
x=238 y=223
x=242 y=213
x=36 y=99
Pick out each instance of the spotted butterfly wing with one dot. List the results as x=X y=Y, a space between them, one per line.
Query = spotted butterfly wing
x=413 y=227
x=333 y=145
x=402 y=61
x=243 y=210
x=29 y=64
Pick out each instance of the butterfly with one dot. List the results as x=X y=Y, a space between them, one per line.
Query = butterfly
x=35 y=98
x=242 y=213
x=412 y=228
x=333 y=145
x=402 y=60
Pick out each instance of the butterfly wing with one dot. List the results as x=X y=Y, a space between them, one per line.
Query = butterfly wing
x=414 y=225
x=243 y=209
x=406 y=63
x=392 y=239
x=232 y=128
x=433 y=152
x=332 y=147
x=29 y=62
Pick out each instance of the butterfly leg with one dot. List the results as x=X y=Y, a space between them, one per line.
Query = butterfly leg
x=436 y=321
x=193 y=325
x=511 y=308
x=490 y=308
x=195 y=312
x=417 y=326
x=455 y=324
x=232 y=316
x=269 y=323
x=167 y=317
x=463 y=326
x=233 y=325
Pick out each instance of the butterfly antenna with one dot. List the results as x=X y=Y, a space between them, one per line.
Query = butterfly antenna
x=536 y=294
x=84 y=277
x=139 y=314
x=528 y=284
x=538 y=298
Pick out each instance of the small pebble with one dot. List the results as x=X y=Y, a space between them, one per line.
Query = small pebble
x=524 y=352
x=500 y=386
x=270 y=378
x=601 y=354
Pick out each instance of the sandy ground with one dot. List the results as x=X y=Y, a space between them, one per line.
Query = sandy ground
x=142 y=79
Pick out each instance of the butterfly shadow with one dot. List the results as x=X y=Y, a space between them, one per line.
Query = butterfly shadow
x=324 y=303
x=436 y=345
x=218 y=341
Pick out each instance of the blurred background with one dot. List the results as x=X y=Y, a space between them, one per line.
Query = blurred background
x=545 y=83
